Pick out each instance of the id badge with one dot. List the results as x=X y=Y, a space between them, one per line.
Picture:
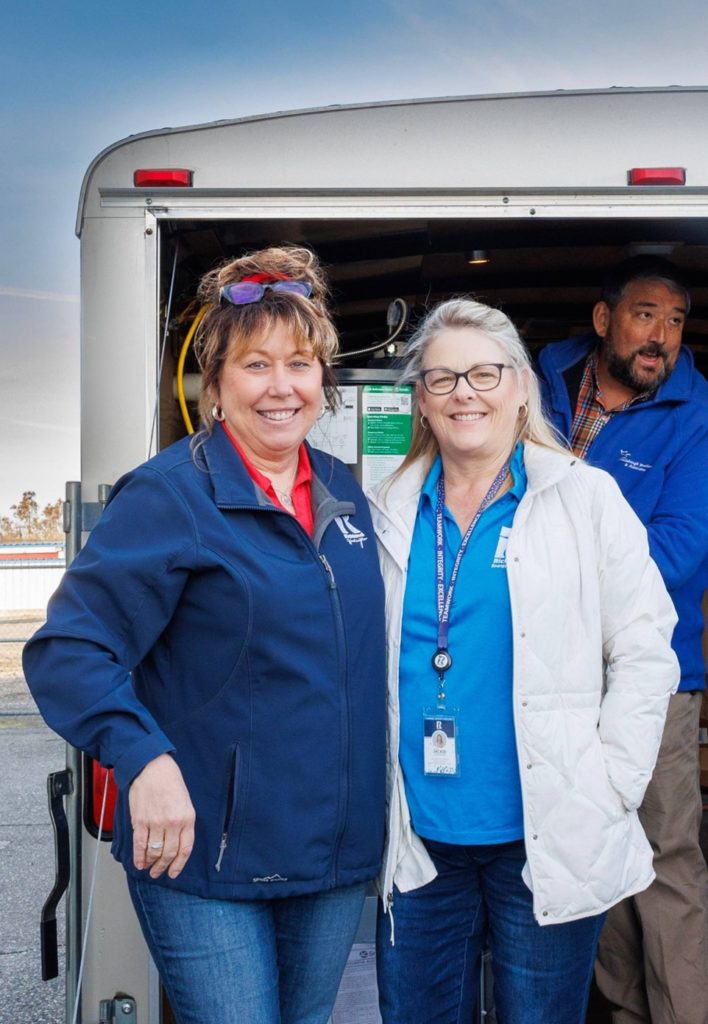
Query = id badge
x=440 y=744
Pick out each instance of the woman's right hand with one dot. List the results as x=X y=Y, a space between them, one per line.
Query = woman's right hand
x=162 y=816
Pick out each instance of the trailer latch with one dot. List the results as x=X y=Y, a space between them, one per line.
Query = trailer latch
x=120 y=1010
x=59 y=785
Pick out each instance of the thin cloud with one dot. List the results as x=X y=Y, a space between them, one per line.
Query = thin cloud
x=514 y=46
x=32 y=293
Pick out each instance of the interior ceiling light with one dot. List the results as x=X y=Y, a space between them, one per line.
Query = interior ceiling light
x=665 y=249
x=477 y=257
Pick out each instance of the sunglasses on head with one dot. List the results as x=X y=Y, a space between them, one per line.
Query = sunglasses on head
x=242 y=292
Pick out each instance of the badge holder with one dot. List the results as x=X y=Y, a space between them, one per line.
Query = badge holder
x=440 y=756
x=440 y=753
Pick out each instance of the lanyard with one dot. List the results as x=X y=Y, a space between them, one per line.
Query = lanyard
x=441 y=659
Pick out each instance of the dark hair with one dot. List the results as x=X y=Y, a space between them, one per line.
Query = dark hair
x=225 y=325
x=642 y=268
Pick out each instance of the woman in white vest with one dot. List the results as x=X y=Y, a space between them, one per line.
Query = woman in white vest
x=529 y=673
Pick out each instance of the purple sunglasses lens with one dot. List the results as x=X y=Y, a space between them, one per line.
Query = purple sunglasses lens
x=242 y=292
x=303 y=288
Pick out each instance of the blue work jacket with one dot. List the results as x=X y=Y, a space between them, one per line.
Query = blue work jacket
x=201 y=620
x=657 y=451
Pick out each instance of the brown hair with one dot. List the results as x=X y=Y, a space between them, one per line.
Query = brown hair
x=225 y=326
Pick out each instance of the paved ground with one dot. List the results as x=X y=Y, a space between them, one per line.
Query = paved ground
x=28 y=752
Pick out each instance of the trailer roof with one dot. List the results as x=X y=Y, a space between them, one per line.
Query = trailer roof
x=499 y=141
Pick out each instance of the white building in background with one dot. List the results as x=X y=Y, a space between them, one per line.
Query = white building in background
x=30 y=572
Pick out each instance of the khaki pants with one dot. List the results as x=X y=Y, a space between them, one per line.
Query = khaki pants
x=653 y=956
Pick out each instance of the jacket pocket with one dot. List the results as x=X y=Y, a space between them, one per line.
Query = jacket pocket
x=229 y=805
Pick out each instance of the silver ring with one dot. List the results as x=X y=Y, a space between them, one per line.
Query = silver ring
x=155 y=846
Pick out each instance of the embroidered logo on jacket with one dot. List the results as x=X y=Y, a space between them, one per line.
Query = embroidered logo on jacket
x=269 y=878
x=352 y=534
x=626 y=459
x=499 y=560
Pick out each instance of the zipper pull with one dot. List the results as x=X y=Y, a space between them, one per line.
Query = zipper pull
x=222 y=848
x=389 y=911
x=330 y=574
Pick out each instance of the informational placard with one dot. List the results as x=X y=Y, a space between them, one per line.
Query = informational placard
x=385 y=430
x=337 y=433
x=358 y=1001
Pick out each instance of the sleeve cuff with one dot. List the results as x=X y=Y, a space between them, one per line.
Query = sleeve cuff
x=132 y=762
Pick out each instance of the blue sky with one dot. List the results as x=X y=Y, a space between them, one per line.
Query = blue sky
x=77 y=76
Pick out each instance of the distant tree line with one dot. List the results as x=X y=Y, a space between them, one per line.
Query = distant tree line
x=27 y=522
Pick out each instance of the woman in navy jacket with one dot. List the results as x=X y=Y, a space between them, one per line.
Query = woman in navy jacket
x=219 y=643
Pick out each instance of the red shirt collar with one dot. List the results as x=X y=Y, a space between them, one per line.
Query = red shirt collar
x=301 y=490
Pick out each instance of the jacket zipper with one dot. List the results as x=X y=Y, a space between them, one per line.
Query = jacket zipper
x=344 y=716
x=230 y=796
x=328 y=570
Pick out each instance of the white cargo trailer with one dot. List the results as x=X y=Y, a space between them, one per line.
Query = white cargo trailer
x=522 y=200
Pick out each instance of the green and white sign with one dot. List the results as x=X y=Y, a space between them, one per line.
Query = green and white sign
x=385 y=430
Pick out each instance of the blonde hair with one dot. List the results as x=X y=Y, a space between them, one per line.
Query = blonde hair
x=465 y=312
x=225 y=326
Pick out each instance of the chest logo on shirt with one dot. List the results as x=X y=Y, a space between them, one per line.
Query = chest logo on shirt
x=352 y=534
x=626 y=459
x=499 y=560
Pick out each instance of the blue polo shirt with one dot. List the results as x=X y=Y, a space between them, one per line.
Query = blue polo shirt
x=482 y=804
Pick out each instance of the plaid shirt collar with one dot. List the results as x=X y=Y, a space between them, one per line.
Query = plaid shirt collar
x=591 y=414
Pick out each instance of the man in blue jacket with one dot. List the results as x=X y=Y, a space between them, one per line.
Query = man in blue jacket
x=630 y=400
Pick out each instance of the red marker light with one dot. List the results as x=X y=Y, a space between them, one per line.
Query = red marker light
x=657 y=176
x=163 y=177
x=98 y=785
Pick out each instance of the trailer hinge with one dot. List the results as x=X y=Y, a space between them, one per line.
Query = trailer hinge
x=82 y=516
x=120 y=1010
x=90 y=513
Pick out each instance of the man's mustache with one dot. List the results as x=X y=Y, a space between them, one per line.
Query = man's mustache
x=652 y=349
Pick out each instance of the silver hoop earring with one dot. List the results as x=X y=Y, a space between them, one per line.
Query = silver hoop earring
x=218 y=413
x=423 y=421
x=323 y=410
x=523 y=410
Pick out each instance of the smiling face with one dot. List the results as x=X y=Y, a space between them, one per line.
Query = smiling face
x=641 y=335
x=468 y=424
x=271 y=394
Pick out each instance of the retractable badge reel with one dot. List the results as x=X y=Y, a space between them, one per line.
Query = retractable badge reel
x=440 y=727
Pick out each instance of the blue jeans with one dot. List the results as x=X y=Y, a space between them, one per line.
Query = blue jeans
x=431 y=974
x=262 y=961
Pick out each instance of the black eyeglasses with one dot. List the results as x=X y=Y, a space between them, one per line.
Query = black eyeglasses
x=241 y=293
x=480 y=377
